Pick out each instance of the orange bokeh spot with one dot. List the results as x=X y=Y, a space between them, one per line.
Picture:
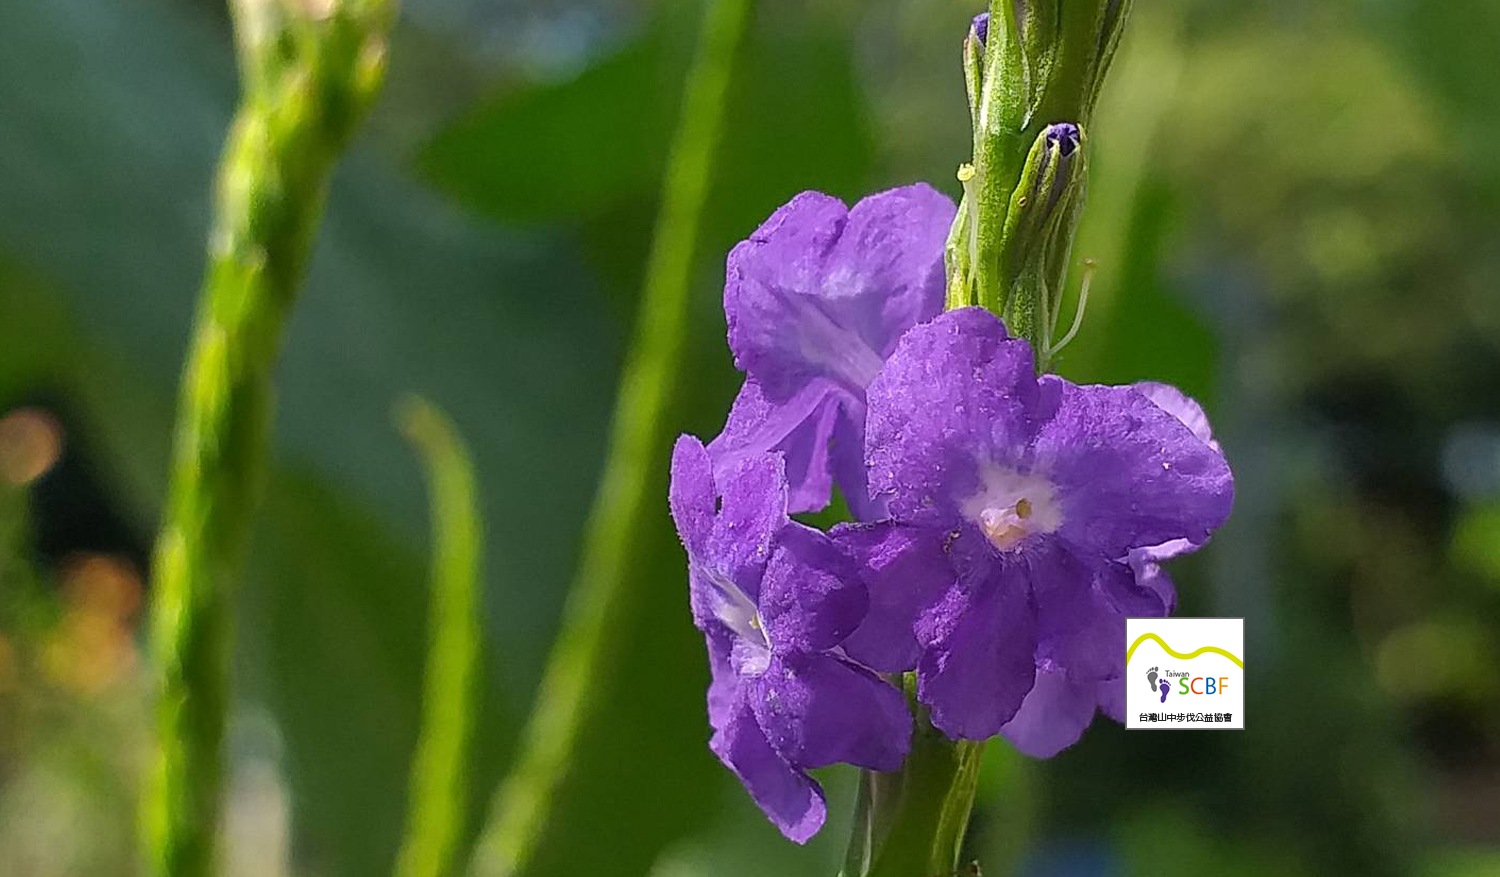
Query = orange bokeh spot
x=31 y=441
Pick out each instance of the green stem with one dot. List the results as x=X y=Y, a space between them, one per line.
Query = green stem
x=1007 y=251
x=1019 y=97
x=919 y=814
x=439 y=770
x=307 y=82
x=1000 y=144
x=627 y=497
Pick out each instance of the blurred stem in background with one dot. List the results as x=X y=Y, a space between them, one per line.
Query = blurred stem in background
x=309 y=71
x=12 y=531
x=627 y=497
x=439 y=791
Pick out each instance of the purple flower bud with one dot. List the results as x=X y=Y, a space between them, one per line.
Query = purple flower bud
x=981 y=27
x=1064 y=135
x=1053 y=155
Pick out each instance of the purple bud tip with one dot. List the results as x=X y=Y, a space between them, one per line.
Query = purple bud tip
x=1066 y=135
x=981 y=26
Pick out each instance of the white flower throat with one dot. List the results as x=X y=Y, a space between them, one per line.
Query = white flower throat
x=736 y=610
x=1011 y=506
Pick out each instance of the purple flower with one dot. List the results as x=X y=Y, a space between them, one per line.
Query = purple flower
x=816 y=300
x=1015 y=502
x=1066 y=137
x=775 y=600
x=1178 y=404
x=1146 y=562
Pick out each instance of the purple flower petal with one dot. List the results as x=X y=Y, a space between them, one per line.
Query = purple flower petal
x=821 y=291
x=848 y=456
x=956 y=393
x=1084 y=632
x=886 y=271
x=817 y=710
x=975 y=677
x=723 y=681
x=820 y=431
x=785 y=253
x=1138 y=595
x=1147 y=561
x=811 y=596
x=800 y=429
x=752 y=512
x=906 y=572
x=1181 y=406
x=1053 y=716
x=1111 y=696
x=816 y=299
x=691 y=494
x=1128 y=474
x=1078 y=627
x=1149 y=575
x=727 y=549
x=794 y=803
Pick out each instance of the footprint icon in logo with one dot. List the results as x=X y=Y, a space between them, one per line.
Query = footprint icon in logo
x=1166 y=688
x=1151 y=678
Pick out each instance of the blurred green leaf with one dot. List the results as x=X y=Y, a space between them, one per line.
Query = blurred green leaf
x=742 y=842
x=1442 y=655
x=1451 y=46
x=1151 y=332
x=1476 y=542
x=585 y=148
x=551 y=151
x=341 y=607
x=1474 y=861
x=1174 y=841
x=799 y=122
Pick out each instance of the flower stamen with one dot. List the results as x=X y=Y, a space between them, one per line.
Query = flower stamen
x=1051 y=349
x=737 y=611
x=1011 y=506
x=1006 y=527
x=1002 y=527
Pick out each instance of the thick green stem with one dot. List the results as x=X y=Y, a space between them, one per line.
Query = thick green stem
x=307 y=81
x=911 y=822
x=1044 y=70
x=1043 y=63
x=627 y=497
x=1000 y=142
x=439 y=779
x=919 y=814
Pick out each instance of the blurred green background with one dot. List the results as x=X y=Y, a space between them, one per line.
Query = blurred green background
x=1296 y=212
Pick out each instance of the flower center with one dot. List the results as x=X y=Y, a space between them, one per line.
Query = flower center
x=737 y=611
x=1011 y=506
